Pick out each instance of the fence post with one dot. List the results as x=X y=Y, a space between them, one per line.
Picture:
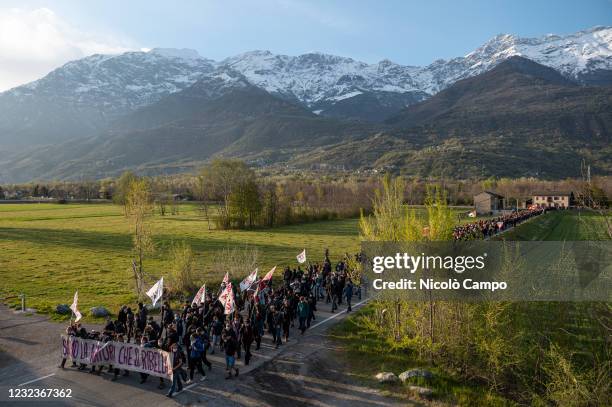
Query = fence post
x=23 y=301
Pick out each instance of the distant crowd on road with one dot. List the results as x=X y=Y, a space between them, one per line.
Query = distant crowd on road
x=486 y=228
x=196 y=330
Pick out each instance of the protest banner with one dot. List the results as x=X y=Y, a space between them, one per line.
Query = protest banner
x=121 y=355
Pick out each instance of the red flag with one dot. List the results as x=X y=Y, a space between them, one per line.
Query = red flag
x=264 y=281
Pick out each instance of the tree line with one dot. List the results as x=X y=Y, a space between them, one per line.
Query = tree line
x=286 y=199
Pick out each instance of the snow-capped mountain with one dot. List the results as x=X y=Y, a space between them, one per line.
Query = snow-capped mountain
x=314 y=77
x=581 y=56
x=85 y=95
x=113 y=83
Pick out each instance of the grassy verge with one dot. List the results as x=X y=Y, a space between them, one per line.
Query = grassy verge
x=369 y=353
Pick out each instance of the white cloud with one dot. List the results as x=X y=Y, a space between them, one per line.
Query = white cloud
x=34 y=42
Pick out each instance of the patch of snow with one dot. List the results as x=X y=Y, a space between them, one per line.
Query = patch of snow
x=182 y=53
x=345 y=96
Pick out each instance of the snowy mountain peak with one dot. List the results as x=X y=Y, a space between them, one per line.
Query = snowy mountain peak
x=182 y=53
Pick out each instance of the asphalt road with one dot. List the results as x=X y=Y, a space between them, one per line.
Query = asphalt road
x=301 y=372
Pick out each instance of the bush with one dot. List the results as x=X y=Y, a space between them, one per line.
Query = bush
x=182 y=272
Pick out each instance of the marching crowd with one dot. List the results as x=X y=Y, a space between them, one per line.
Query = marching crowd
x=486 y=228
x=194 y=330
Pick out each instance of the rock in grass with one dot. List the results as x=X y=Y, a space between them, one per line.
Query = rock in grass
x=63 y=309
x=423 y=392
x=386 y=377
x=99 y=312
x=415 y=373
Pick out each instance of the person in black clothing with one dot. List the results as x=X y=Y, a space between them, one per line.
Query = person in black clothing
x=129 y=315
x=178 y=361
x=205 y=338
x=231 y=346
x=122 y=317
x=247 y=335
x=141 y=317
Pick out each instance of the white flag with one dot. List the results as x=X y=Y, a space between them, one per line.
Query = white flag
x=225 y=294
x=301 y=258
x=229 y=300
x=225 y=280
x=156 y=292
x=248 y=281
x=200 y=297
x=74 y=309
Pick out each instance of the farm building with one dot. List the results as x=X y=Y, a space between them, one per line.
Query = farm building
x=553 y=199
x=487 y=202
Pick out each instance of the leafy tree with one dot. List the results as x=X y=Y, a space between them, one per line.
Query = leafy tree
x=139 y=207
x=122 y=188
x=245 y=204
x=220 y=179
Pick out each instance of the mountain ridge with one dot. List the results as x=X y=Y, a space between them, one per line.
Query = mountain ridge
x=88 y=94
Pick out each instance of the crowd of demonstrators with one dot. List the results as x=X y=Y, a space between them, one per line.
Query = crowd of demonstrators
x=195 y=330
x=486 y=228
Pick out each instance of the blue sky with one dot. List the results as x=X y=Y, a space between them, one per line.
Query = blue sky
x=407 y=32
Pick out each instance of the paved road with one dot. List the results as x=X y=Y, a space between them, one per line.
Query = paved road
x=297 y=373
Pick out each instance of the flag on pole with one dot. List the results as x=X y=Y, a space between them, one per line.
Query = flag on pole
x=264 y=281
x=225 y=280
x=225 y=293
x=156 y=292
x=200 y=296
x=229 y=300
x=74 y=309
x=248 y=281
x=301 y=258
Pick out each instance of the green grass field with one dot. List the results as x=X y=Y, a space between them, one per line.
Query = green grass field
x=561 y=225
x=48 y=251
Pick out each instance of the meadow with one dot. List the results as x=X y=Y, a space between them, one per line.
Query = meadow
x=48 y=251
x=562 y=225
